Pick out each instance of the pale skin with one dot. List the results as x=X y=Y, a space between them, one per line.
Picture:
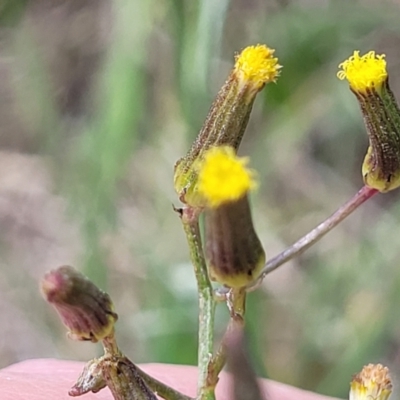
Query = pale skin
x=51 y=380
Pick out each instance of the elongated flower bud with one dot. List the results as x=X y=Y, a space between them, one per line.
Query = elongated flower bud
x=233 y=252
x=373 y=382
x=368 y=80
x=228 y=115
x=84 y=309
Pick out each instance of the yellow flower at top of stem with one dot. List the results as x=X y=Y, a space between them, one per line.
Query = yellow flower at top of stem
x=228 y=116
x=257 y=64
x=223 y=177
x=365 y=72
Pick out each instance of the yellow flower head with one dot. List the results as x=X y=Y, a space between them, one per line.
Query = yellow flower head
x=223 y=177
x=257 y=65
x=364 y=72
x=372 y=383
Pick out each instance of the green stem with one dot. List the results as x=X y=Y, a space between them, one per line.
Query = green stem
x=190 y=221
x=236 y=299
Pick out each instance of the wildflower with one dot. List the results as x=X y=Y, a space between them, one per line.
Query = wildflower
x=85 y=309
x=364 y=73
x=372 y=383
x=224 y=177
x=368 y=80
x=228 y=116
x=233 y=251
x=255 y=66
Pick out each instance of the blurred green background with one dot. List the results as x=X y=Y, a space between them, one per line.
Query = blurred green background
x=99 y=98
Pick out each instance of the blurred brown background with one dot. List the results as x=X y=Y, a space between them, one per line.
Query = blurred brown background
x=98 y=99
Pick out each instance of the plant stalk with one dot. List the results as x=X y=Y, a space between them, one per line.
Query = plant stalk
x=190 y=221
x=317 y=233
x=235 y=299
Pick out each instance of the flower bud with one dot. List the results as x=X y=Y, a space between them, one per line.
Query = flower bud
x=233 y=251
x=228 y=116
x=373 y=382
x=84 y=309
x=368 y=80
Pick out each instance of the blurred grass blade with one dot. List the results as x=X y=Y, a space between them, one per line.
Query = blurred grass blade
x=202 y=42
x=109 y=138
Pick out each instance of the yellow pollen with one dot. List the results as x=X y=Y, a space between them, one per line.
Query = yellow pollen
x=257 y=64
x=372 y=383
x=364 y=72
x=223 y=177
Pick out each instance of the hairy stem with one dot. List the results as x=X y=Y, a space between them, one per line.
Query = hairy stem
x=190 y=221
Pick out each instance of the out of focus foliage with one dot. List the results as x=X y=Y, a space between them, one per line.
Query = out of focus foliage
x=99 y=98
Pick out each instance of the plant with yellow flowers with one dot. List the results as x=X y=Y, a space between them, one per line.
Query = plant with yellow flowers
x=213 y=183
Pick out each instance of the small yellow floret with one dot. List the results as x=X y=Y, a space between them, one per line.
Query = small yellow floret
x=364 y=72
x=223 y=177
x=372 y=383
x=257 y=64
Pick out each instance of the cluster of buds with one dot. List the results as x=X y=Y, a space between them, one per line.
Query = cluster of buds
x=212 y=178
x=228 y=116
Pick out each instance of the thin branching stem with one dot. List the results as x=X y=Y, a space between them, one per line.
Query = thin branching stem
x=317 y=233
